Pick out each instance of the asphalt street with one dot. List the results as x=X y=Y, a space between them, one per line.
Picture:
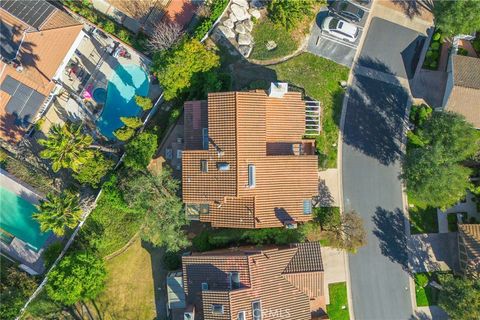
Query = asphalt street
x=371 y=152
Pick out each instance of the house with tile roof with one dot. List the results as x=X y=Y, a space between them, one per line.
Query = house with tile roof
x=37 y=41
x=273 y=283
x=246 y=163
x=462 y=92
x=469 y=248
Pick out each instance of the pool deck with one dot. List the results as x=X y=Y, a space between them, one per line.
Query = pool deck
x=17 y=249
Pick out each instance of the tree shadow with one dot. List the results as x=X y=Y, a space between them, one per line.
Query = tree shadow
x=11 y=128
x=324 y=198
x=413 y=8
x=376 y=116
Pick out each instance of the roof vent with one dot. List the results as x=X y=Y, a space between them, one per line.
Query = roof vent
x=277 y=89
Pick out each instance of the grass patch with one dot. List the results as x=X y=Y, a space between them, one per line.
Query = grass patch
x=129 y=292
x=320 y=78
x=425 y=294
x=264 y=31
x=423 y=218
x=338 y=307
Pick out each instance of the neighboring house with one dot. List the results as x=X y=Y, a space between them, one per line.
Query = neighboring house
x=246 y=163
x=462 y=92
x=37 y=41
x=469 y=248
x=252 y=284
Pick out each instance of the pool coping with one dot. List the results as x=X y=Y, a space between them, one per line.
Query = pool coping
x=20 y=188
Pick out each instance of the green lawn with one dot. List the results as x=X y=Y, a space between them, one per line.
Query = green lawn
x=320 y=78
x=264 y=31
x=338 y=307
x=423 y=219
x=425 y=295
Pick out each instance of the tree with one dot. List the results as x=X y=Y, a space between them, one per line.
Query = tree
x=78 y=277
x=128 y=130
x=58 y=211
x=140 y=151
x=15 y=288
x=460 y=297
x=67 y=147
x=347 y=232
x=155 y=196
x=132 y=122
x=164 y=36
x=144 y=102
x=433 y=170
x=175 y=68
x=94 y=170
x=457 y=17
x=289 y=13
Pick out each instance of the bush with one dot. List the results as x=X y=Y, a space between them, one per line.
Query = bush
x=419 y=114
x=172 y=260
x=3 y=158
x=434 y=65
x=462 y=52
x=144 y=102
x=289 y=13
x=216 y=9
x=429 y=53
x=435 y=45
x=51 y=253
x=124 y=133
x=436 y=36
x=140 y=150
x=435 y=55
x=109 y=27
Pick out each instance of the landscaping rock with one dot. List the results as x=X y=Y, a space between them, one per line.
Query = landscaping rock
x=240 y=28
x=244 y=39
x=255 y=13
x=232 y=17
x=271 y=45
x=227 y=32
x=228 y=23
x=245 y=50
x=241 y=3
x=248 y=24
x=239 y=12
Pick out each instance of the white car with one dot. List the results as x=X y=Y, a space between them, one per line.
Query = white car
x=340 y=29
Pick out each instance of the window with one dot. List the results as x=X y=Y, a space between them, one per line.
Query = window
x=251 y=176
x=242 y=315
x=204 y=165
x=307 y=206
x=204 y=286
x=217 y=308
x=205 y=138
x=256 y=310
x=204 y=208
x=234 y=280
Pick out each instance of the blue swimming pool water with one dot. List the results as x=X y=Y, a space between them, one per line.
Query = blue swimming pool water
x=127 y=81
x=16 y=218
x=100 y=95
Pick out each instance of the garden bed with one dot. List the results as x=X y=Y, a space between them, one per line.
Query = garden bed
x=432 y=57
x=425 y=294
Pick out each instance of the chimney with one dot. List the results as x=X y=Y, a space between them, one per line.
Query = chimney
x=277 y=89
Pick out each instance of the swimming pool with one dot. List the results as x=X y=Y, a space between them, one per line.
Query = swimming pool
x=126 y=82
x=16 y=219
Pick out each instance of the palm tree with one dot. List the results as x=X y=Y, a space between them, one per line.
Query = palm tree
x=58 y=211
x=67 y=147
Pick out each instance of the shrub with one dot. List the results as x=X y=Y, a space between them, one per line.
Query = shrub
x=436 y=36
x=216 y=8
x=462 y=52
x=144 y=102
x=434 y=65
x=124 y=35
x=435 y=55
x=435 y=45
x=140 y=151
x=172 y=260
x=174 y=115
x=109 y=27
x=51 y=253
x=476 y=43
x=132 y=122
x=429 y=53
x=3 y=158
x=289 y=13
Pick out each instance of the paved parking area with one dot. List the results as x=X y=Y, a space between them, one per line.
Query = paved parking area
x=327 y=46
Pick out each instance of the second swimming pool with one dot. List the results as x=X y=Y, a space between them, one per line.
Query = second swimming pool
x=126 y=82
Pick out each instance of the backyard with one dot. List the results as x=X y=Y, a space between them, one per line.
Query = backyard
x=338 y=307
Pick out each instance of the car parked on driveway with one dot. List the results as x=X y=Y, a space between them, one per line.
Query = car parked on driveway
x=347 y=10
x=340 y=29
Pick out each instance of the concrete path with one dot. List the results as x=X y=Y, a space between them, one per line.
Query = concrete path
x=442 y=222
x=328 y=189
x=334 y=264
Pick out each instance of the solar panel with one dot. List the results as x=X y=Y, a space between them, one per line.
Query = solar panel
x=9 y=48
x=32 y=12
x=9 y=85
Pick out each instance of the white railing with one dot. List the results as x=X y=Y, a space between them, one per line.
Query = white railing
x=312 y=117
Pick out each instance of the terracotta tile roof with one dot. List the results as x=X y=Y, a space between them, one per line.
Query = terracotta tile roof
x=306 y=259
x=469 y=235
x=466 y=71
x=249 y=128
x=41 y=54
x=262 y=277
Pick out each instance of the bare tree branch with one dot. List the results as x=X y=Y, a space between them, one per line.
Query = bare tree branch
x=164 y=36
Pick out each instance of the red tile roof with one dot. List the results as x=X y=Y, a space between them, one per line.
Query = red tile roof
x=264 y=276
x=249 y=128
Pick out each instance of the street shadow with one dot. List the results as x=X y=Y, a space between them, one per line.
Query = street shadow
x=394 y=244
x=376 y=116
x=414 y=8
x=159 y=275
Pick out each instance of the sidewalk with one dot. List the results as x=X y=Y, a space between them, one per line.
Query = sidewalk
x=334 y=264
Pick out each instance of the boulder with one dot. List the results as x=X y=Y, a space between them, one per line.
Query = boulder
x=227 y=32
x=255 y=13
x=240 y=28
x=248 y=24
x=239 y=12
x=271 y=45
x=228 y=23
x=244 y=39
x=232 y=17
x=241 y=3
x=245 y=50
